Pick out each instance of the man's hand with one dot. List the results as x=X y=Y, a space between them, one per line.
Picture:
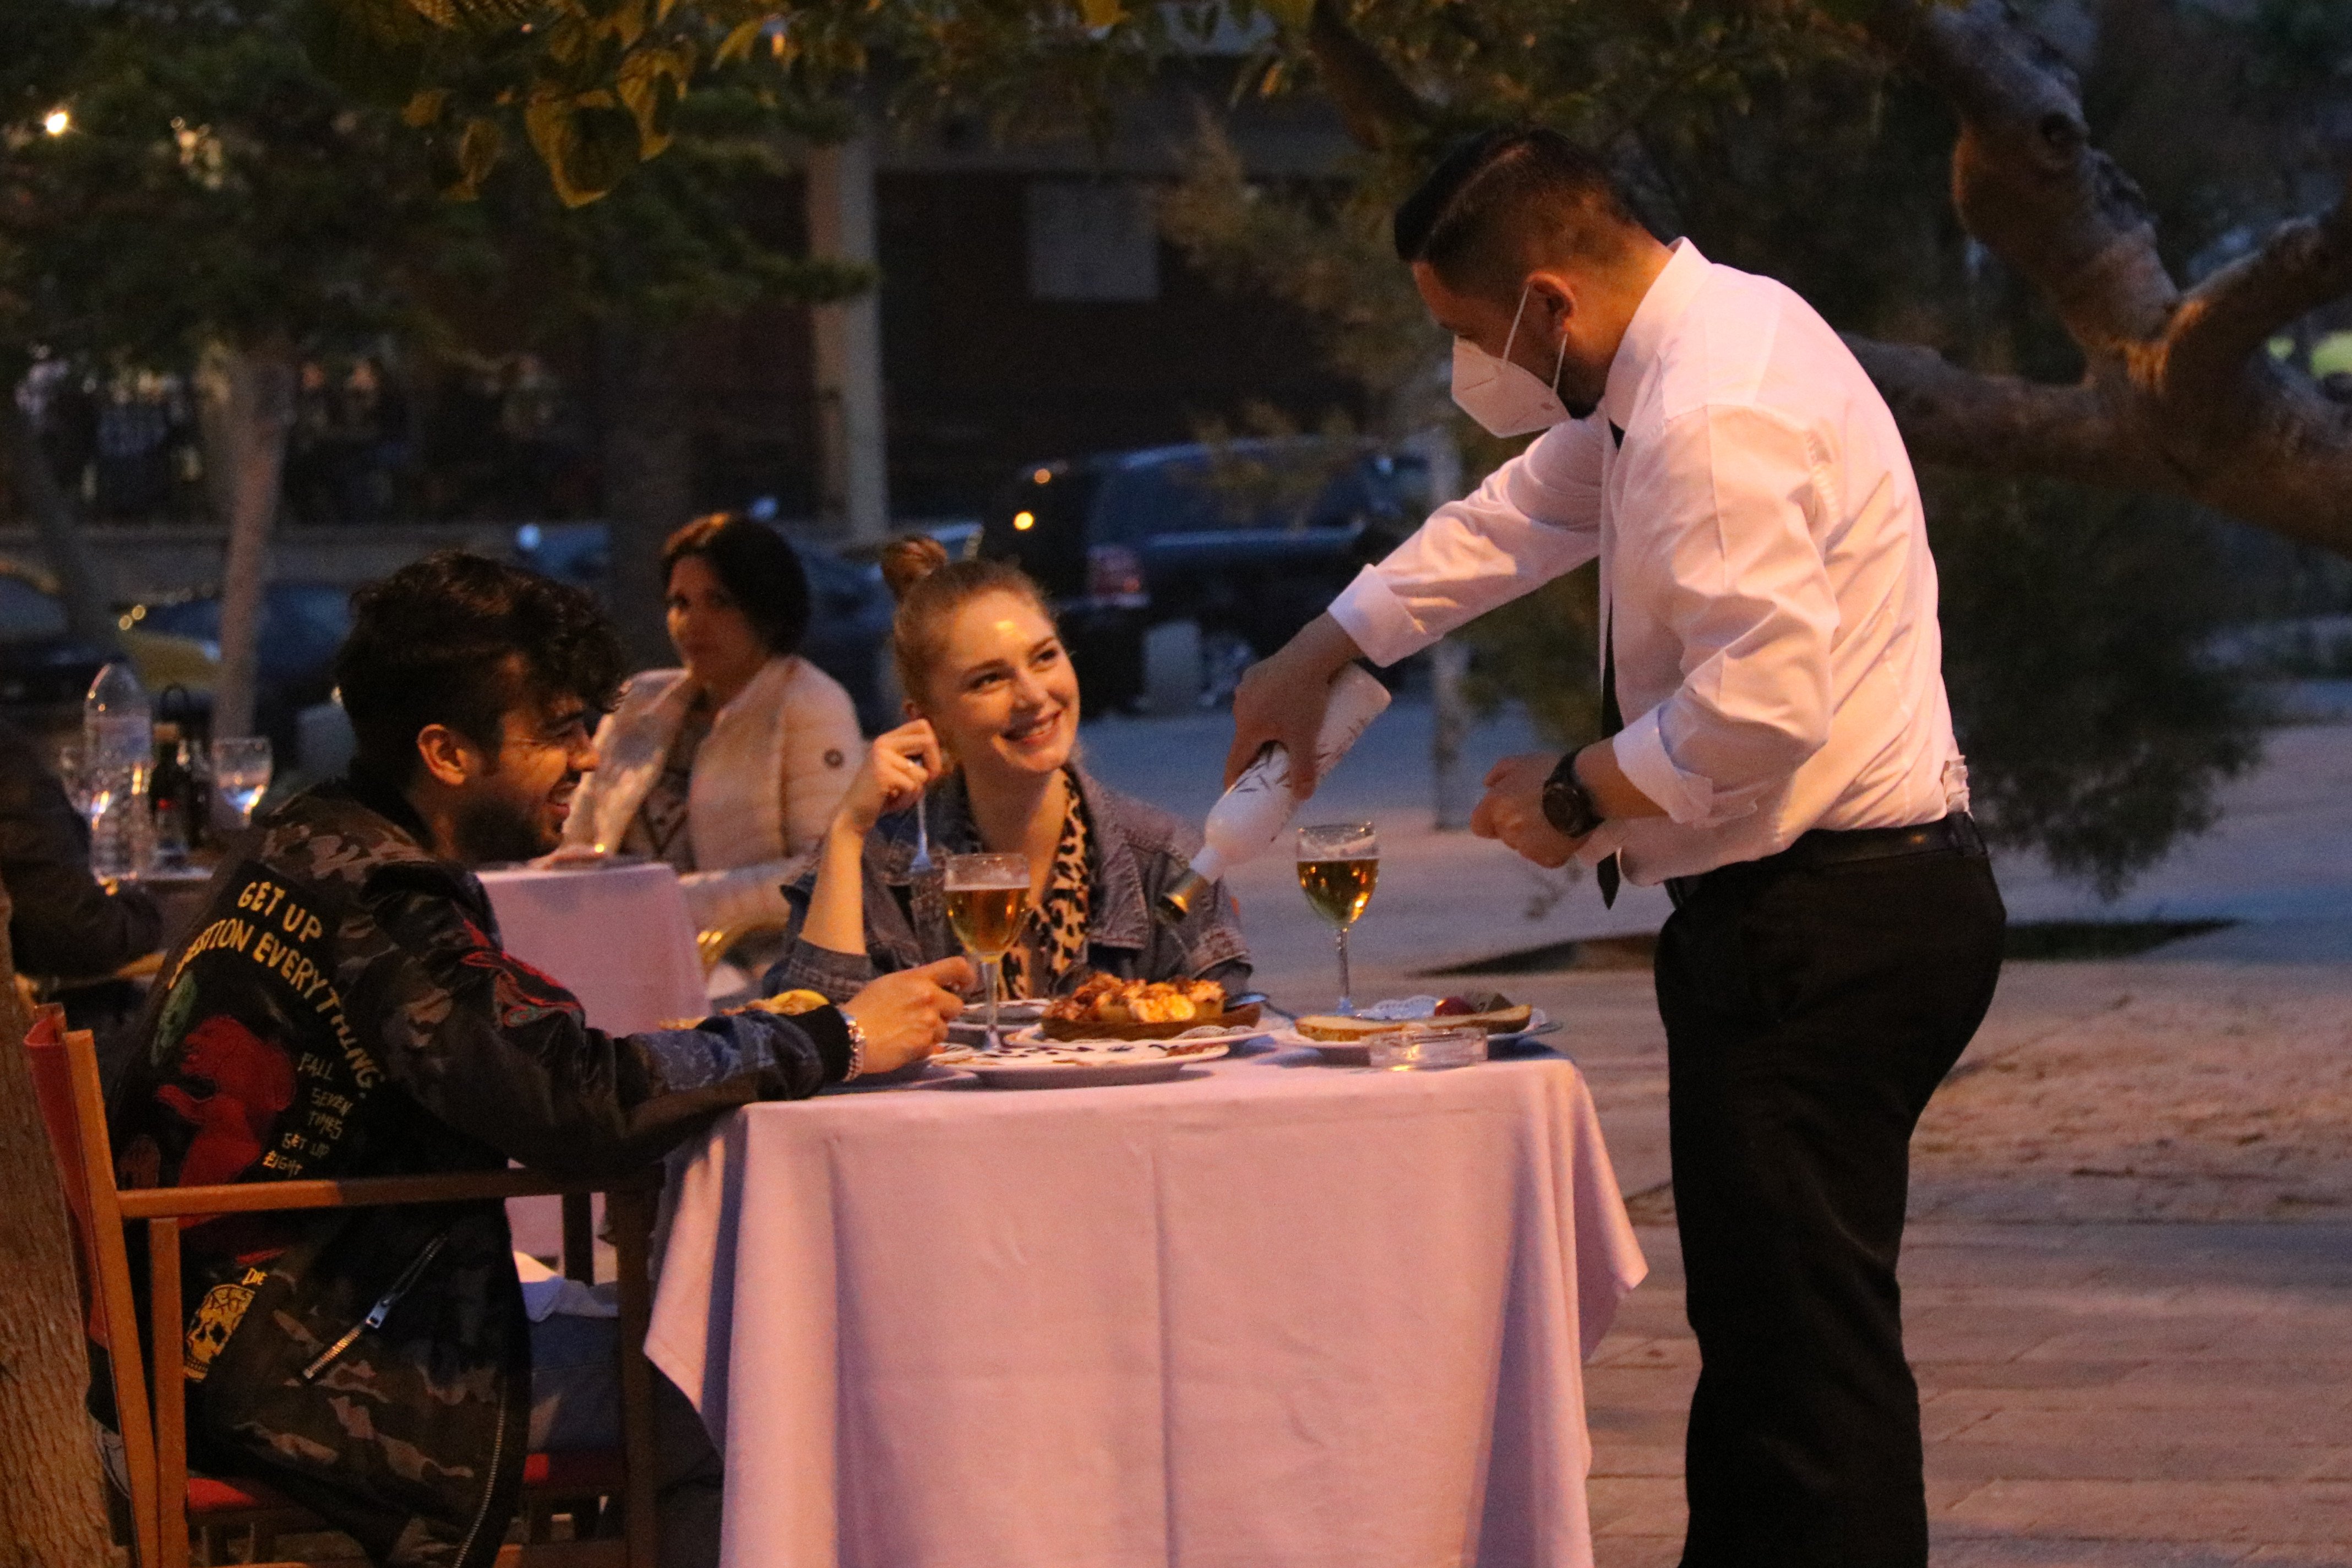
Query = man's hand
x=904 y=1016
x=1512 y=811
x=1281 y=698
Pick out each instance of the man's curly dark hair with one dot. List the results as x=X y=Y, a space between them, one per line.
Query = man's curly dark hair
x=458 y=639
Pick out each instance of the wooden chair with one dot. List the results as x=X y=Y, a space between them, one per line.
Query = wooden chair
x=719 y=942
x=166 y=1502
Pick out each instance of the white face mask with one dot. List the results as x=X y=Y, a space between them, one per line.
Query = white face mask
x=1505 y=398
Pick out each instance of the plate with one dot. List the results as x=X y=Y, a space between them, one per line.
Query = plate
x=1359 y=1053
x=1068 y=1064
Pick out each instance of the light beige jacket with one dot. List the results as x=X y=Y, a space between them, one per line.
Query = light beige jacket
x=767 y=780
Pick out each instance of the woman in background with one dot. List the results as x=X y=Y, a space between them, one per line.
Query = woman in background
x=731 y=768
x=990 y=756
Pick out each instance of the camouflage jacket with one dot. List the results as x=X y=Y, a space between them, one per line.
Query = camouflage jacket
x=343 y=1008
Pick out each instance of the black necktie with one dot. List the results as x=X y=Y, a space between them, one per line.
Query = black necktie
x=1613 y=717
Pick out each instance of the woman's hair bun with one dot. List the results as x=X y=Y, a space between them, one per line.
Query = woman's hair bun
x=909 y=559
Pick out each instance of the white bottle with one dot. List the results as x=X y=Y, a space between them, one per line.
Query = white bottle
x=1251 y=815
x=118 y=739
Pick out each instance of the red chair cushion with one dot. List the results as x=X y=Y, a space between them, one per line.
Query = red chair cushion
x=580 y=1470
x=206 y=1495
x=576 y=1471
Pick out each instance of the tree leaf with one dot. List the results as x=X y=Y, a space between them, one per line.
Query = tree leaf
x=737 y=43
x=425 y=107
x=652 y=81
x=1102 y=13
x=478 y=154
x=1292 y=14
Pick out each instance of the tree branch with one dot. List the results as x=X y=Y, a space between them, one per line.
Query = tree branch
x=2231 y=315
x=1951 y=415
x=1375 y=102
x=2025 y=178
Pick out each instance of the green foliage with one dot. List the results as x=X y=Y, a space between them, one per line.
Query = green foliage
x=1542 y=651
x=2073 y=623
x=212 y=187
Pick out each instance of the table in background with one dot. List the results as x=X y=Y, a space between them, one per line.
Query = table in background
x=619 y=939
x=1273 y=1315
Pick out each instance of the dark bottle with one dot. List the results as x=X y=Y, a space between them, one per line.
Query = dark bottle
x=172 y=796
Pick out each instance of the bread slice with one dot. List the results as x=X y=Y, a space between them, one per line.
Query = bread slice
x=1341 y=1030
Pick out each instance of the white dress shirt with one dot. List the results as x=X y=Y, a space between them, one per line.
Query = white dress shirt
x=1763 y=556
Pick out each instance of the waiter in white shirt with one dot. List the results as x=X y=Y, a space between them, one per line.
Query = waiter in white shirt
x=1785 y=765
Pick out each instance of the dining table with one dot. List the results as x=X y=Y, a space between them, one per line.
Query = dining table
x=1271 y=1313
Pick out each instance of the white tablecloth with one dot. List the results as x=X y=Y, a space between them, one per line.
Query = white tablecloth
x=619 y=938
x=1277 y=1314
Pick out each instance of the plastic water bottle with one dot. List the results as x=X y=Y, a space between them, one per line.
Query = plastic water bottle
x=118 y=740
x=1250 y=815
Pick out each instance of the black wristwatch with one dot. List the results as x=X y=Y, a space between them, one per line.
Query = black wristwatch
x=1568 y=806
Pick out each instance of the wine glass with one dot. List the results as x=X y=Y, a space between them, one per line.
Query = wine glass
x=1338 y=865
x=988 y=898
x=241 y=772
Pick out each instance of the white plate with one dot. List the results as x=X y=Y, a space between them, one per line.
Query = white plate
x=1359 y=1053
x=1082 y=1065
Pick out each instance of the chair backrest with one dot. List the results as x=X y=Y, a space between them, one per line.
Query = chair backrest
x=45 y=1044
x=73 y=1109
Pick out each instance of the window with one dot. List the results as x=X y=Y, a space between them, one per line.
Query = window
x=1092 y=240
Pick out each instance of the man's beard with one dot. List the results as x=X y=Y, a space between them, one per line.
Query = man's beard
x=489 y=831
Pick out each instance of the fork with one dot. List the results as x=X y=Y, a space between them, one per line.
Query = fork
x=922 y=864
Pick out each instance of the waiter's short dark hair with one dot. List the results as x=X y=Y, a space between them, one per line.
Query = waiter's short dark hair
x=459 y=639
x=1502 y=204
x=760 y=570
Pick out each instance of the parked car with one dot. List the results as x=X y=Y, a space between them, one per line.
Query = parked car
x=1248 y=539
x=302 y=625
x=44 y=672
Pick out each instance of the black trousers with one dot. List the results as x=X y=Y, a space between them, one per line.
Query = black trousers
x=1809 y=1012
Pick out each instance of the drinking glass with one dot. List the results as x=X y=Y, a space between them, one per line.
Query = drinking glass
x=241 y=772
x=1338 y=865
x=988 y=898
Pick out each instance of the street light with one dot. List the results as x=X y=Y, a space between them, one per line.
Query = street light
x=56 y=123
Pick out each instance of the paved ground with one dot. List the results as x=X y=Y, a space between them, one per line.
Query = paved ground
x=2128 y=1287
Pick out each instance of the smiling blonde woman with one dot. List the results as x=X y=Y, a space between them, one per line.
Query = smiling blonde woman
x=988 y=756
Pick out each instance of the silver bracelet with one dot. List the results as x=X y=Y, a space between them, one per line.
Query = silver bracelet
x=856 y=1045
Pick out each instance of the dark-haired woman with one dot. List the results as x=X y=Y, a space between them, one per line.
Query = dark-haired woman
x=731 y=768
x=989 y=755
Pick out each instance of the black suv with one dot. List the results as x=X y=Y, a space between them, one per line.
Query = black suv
x=1248 y=539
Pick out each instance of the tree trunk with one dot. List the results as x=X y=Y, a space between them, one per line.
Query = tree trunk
x=89 y=618
x=249 y=408
x=52 y=1511
x=648 y=474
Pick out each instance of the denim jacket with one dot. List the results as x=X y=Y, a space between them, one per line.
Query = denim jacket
x=1140 y=851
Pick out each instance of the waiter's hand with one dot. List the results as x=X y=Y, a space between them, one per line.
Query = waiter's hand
x=904 y=1014
x=1512 y=810
x=1281 y=698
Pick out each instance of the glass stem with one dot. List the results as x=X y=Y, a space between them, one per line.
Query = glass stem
x=1345 y=1004
x=989 y=968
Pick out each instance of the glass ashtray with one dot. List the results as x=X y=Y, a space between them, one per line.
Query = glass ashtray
x=1423 y=1047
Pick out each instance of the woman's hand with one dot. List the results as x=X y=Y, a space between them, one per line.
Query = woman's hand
x=899 y=767
x=904 y=1014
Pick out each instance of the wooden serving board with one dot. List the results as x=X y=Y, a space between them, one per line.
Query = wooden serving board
x=1054 y=1028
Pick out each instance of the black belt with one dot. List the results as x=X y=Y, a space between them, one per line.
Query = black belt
x=1956 y=833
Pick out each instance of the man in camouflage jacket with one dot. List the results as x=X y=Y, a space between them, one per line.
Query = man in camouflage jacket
x=343 y=1008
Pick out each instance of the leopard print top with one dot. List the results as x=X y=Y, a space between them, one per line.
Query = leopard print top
x=1054 y=945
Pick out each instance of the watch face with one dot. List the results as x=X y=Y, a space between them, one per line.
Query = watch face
x=1570 y=808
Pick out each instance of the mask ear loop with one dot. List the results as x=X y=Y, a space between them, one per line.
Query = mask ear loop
x=1558 y=364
